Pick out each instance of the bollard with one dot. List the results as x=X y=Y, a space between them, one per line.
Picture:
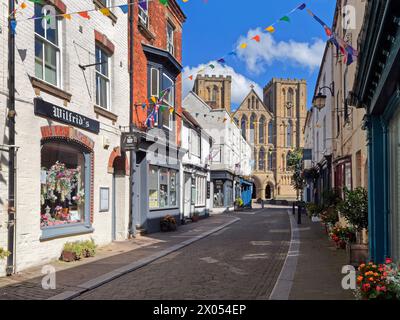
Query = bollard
x=294 y=208
x=262 y=204
x=299 y=214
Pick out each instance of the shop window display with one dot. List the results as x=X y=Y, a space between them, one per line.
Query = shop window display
x=62 y=185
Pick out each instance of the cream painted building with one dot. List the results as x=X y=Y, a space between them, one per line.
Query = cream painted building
x=350 y=164
x=273 y=127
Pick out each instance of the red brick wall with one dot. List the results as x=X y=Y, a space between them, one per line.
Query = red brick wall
x=158 y=15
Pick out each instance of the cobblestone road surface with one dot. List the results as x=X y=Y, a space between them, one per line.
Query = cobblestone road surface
x=242 y=261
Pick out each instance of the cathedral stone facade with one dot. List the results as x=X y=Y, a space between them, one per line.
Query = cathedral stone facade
x=273 y=126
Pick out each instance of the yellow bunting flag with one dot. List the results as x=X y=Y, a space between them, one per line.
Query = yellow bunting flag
x=185 y=1
x=270 y=29
x=23 y=5
x=67 y=16
x=171 y=110
x=243 y=45
x=105 y=11
x=154 y=99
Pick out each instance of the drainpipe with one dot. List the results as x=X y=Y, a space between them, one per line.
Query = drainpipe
x=10 y=269
x=132 y=193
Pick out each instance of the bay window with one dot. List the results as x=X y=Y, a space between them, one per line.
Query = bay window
x=103 y=95
x=162 y=188
x=47 y=47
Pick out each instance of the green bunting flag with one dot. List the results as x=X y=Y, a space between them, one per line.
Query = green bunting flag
x=285 y=18
x=164 y=2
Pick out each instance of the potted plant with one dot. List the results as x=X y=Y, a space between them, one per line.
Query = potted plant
x=74 y=251
x=378 y=282
x=195 y=217
x=168 y=223
x=354 y=208
x=342 y=236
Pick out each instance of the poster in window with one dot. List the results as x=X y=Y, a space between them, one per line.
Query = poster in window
x=104 y=199
x=153 y=199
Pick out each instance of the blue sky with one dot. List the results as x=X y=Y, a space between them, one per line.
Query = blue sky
x=295 y=50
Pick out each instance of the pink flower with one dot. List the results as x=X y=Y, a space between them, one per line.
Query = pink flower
x=389 y=261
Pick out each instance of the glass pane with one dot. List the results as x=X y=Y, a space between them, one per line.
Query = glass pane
x=50 y=64
x=101 y=91
x=170 y=95
x=163 y=188
x=172 y=189
x=38 y=22
x=143 y=4
x=154 y=82
x=52 y=31
x=153 y=187
x=102 y=61
x=38 y=59
x=62 y=185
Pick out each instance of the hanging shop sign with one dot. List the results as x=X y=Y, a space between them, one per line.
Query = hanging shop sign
x=129 y=142
x=51 y=111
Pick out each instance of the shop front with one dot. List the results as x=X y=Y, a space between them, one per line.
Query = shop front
x=156 y=189
x=223 y=191
x=195 y=183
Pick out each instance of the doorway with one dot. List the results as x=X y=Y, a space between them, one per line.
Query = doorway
x=187 y=196
x=268 y=192
x=120 y=201
x=254 y=195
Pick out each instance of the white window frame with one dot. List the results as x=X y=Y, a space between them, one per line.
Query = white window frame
x=151 y=82
x=170 y=39
x=107 y=78
x=169 y=170
x=200 y=191
x=171 y=92
x=59 y=70
x=144 y=14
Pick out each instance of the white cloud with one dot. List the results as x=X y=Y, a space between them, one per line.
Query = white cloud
x=240 y=84
x=259 y=55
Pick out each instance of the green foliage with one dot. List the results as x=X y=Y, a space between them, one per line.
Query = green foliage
x=311 y=174
x=313 y=210
x=330 y=216
x=81 y=249
x=4 y=253
x=295 y=163
x=331 y=198
x=354 y=208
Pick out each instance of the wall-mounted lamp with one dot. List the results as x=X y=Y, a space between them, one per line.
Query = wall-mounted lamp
x=319 y=100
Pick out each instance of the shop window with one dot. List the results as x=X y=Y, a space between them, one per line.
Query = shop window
x=65 y=185
x=47 y=48
x=162 y=188
x=103 y=95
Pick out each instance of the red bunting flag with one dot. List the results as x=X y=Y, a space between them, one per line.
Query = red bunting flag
x=84 y=14
x=256 y=38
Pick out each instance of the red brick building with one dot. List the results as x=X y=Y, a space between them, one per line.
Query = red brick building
x=156 y=39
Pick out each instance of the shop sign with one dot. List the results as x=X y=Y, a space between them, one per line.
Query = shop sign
x=51 y=111
x=129 y=142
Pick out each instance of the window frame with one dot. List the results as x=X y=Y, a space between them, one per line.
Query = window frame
x=103 y=76
x=144 y=21
x=169 y=206
x=43 y=40
x=170 y=38
x=52 y=232
x=172 y=92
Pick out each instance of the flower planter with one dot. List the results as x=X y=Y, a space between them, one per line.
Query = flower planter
x=357 y=254
x=195 y=218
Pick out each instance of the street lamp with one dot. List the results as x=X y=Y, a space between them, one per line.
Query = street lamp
x=319 y=100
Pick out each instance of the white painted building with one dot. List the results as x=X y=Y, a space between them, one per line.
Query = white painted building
x=68 y=129
x=196 y=190
x=230 y=155
x=318 y=129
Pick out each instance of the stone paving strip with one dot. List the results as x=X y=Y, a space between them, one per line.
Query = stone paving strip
x=111 y=262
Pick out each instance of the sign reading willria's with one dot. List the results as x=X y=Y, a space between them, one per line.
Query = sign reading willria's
x=51 y=111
